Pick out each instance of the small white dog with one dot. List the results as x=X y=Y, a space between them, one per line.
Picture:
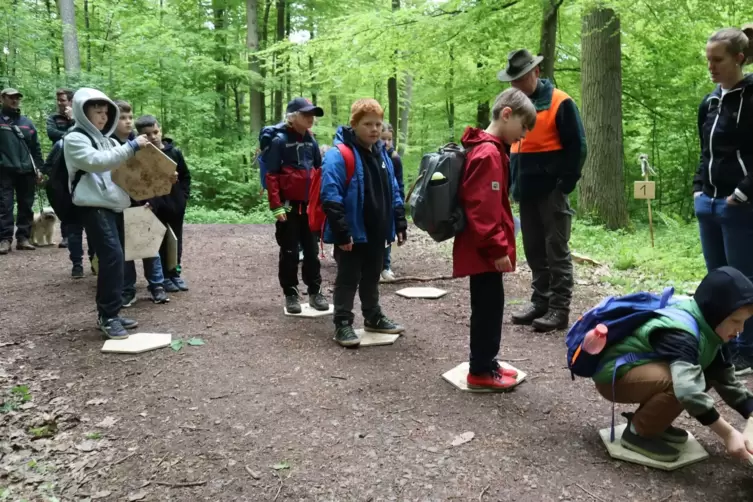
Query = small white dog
x=43 y=227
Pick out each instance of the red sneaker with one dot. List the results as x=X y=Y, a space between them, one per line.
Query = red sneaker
x=507 y=372
x=491 y=381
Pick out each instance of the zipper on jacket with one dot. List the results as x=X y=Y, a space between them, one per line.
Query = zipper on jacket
x=739 y=112
x=711 y=143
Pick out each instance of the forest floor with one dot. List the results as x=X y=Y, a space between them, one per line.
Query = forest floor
x=270 y=408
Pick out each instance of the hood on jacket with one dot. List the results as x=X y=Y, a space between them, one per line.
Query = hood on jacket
x=745 y=82
x=474 y=136
x=167 y=144
x=722 y=292
x=347 y=136
x=86 y=94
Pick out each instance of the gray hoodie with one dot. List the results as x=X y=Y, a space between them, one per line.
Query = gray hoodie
x=96 y=188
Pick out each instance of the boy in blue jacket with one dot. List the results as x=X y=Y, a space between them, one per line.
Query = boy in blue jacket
x=364 y=215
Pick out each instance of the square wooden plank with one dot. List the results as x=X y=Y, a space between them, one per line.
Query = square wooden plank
x=690 y=452
x=138 y=343
x=458 y=375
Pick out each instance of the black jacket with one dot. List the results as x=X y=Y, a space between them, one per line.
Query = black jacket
x=16 y=154
x=725 y=127
x=57 y=125
x=167 y=207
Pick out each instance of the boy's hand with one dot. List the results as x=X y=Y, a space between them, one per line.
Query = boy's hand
x=737 y=446
x=503 y=264
x=402 y=237
x=282 y=217
x=148 y=206
x=142 y=141
x=174 y=177
x=348 y=246
x=69 y=112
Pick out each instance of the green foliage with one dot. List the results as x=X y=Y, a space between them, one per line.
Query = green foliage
x=18 y=395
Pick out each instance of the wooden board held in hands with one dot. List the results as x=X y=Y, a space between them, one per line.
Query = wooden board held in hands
x=172 y=250
x=147 y=174
x=143 y=233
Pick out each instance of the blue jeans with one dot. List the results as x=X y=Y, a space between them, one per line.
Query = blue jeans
x=727 y=240
x=74 y=232
x=104 y=228
x=152 y=273
x=387 y=258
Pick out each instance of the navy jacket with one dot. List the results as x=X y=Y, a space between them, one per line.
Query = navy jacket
x=16 y=154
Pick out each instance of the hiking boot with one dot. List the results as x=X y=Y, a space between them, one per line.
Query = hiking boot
x=63 y=243
x=293 y=304
x=493 y=381
x=158 y=295
x=4 y=247
x=526 y=317
x=346 y=336
x=671 y=434
x=77 y=272
x=553 y=320
x=655 y=449
x=24 y=245
x=129 y=298
x=382 y=324
x=318 y=302
x=94 y=265
x=170 y=286
x=179 y=283
x=387 y=276
x=128 y=323
x=112 y=328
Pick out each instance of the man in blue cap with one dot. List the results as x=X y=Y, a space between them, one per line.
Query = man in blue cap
x=290 y=159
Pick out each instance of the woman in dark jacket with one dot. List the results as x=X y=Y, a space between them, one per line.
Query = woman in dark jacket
x=723 y=184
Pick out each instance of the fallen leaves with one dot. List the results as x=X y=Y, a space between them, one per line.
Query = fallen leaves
x=107 y=422
x=178 y=344
x=281 y=465
x=463 y=438
x=135 y=496
x=96 y=402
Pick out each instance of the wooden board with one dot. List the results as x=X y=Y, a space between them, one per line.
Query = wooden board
x=644 y=190
x=310 y=312
x=690 y=452
x=172 y=250
x=138 y=343
x=143 y=233
x=429 y=293
x=458 y=375
x=370 y=339
x=147 y=174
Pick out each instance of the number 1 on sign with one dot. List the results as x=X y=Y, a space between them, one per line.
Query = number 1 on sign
x=644 y=190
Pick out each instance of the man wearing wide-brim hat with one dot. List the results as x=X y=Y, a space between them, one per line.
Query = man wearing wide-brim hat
x=546 y=166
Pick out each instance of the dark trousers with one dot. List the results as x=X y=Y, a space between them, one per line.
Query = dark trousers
x=176 y=223
x=105 y=230
x=74 y=232
x=545 y=224
x=487 y=306
x=290 y=234
x=16 y=187
x=358 y=269
x=726 y=239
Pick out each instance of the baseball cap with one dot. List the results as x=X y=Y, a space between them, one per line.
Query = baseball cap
x=10 y=91
x=303 y=105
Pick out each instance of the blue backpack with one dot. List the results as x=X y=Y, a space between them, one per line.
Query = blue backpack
x=622 y=316
x=266 y=136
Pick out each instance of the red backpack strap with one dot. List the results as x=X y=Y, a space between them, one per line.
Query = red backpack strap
x=350 y=161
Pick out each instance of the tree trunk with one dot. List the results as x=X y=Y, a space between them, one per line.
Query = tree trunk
x=55 y=57
x=263 y=67
x=392 y=97
x=548 y=41
x=333 y=109
x=255 y=103
x=220 y=84
x=602 y=188
x=312 y=31
x=405 y=113
x=71 y=56
x=450 y=102
x=288 y=73
x=279 y=67
x=482 y=108
x=87 y=25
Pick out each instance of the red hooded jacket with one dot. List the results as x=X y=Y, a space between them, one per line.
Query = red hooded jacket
x=489 y=231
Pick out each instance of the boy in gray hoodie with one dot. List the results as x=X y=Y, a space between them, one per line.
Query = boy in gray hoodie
x=91 y=155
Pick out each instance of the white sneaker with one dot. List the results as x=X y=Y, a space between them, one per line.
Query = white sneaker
x=387 y=276
x=300 y=255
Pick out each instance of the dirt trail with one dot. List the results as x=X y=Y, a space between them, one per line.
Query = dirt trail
x=266 y=390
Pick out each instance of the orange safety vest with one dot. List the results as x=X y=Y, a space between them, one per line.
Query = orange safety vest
x=544 y=137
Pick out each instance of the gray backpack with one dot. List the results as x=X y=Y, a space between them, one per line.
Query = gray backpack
x=433 y=198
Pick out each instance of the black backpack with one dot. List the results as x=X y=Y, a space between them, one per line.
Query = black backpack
x=58 y=194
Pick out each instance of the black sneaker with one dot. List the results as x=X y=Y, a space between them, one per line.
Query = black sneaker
x=672 y=434
x=526 y=317
x=179 y=283
x=318 y=302
x=63 y=243
x=170 y=286
x=159 y=296
x=112 y=328
x=655 y=449
x=382 y=324
x=346 y=336
x=553 y=320
x=77 y=272
x=129 y=298
x=293 y=304
x=128 y=323
x=4 y=247
x=743 y=365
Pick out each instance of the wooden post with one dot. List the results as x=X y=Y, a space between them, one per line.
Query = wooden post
x=646 y=189
x=650 y=216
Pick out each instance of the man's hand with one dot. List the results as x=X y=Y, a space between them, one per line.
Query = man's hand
x=731 y=201
x=142 y=141
x=282 y=217
x=174 y=177
x=503 y=264
x=348 y=246
x=69 y=112
x=40 y=178
x=402 y=237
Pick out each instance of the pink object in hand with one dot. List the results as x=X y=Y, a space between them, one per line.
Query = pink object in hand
x=595 y=340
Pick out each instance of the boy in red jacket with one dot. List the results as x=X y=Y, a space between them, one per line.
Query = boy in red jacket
x=486 y=246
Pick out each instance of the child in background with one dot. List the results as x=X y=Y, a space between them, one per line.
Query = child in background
x=688 y=365
x=397 y=163
x=171 y=208
x=152 y=266
x=485 y=248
